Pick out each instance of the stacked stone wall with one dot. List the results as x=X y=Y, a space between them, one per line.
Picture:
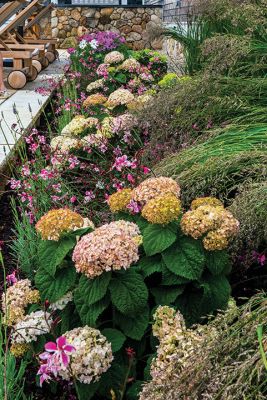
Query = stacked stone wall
x=136 y=24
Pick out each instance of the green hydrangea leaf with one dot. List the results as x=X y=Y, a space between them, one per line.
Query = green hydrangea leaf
x=168 y=278
x=133 y=328
x=52 y=253
x=53 y=287
x=95 y=289
x=216 y=293
x=86 y=392
x=112 y=379
x=217 y=261
x=134 y=391
x=185 y=258
x=150 y=265
x=115 y=337
x=90 y=314
x=128 y=292
x=157 y=238
x=165 y=295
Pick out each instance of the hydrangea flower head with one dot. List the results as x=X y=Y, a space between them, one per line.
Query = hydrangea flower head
x=78 y=125
x=110 y=247
x=31 y=326
x=118 y=201
x=55 y=223
x=91 y=358
x=63 y=144
x=217 y=224
x=98 y=84
x=16 y=299
x=206 y=201
x=114 y=57
x=120 y=97
x=163 y=209
x=130 y=65
x=94 y=100
x=153 y=187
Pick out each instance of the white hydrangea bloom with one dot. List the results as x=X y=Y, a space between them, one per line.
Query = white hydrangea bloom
x=93 y=355
x=31 y=326
x=61 y=303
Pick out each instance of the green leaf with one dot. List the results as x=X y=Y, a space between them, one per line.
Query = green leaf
x=216 y=293
x=134 y=391
x=147 y=375
x=52 y=253
x=86 y=392
x=168 y=278
x=185 y=258
x=52 y=288
x=150 y=265
x=135 y=327
x=157 y=238
x=95 y=289
x=80 y=232
x=112 y=379
x=90 y=314
x=115 y=337
x=120 y=77
x=189 y=304
x=217 y=261
x=128 y=292
x=165 y=295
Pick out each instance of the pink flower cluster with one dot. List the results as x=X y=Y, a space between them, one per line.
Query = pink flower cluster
x=55 y=358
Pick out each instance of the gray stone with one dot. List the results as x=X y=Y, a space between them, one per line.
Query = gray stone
x=54 y=33
x=128 y=15
x=91 y=23
x=156 y=19
x=75 y=14
x=88 y=13
x=54 y=22
x=133 y=36
x=73 y=23
x=137 y=28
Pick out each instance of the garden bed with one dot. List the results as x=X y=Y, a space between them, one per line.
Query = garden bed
x=126 y=262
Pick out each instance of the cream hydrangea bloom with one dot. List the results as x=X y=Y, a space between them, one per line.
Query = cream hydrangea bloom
x=130 y=65
x=63 y=144
x=16 y=298
x=98 y=84
x=92 y=357
x=120 y=97
x=110 y=247
x=61 y=303
x=31 y=326
x=114 y=57
x=78 y=125
x=153 y=187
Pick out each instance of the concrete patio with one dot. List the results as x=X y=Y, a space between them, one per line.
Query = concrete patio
x=23 y=107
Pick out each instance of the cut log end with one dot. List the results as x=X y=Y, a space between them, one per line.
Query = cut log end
x=17 y=79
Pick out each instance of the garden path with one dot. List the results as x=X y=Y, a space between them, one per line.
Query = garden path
x=28 y=104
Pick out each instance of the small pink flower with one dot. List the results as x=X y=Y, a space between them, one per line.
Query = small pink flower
x=45 y=174
x=61 y=349
x=133 y=207
x=121 y=162
x=130 y=178
x=73 y=199
x=15 y=184
x=146 y=170
x=11 y=278
x=25 y=170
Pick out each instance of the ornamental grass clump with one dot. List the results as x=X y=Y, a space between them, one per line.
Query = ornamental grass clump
x=54 y=224
x=15 y=300
x=110 y=247
x=91 y=358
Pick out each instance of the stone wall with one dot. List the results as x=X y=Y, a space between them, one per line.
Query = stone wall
x=136 y=24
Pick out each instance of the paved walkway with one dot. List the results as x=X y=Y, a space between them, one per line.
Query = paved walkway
x=25 y=106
